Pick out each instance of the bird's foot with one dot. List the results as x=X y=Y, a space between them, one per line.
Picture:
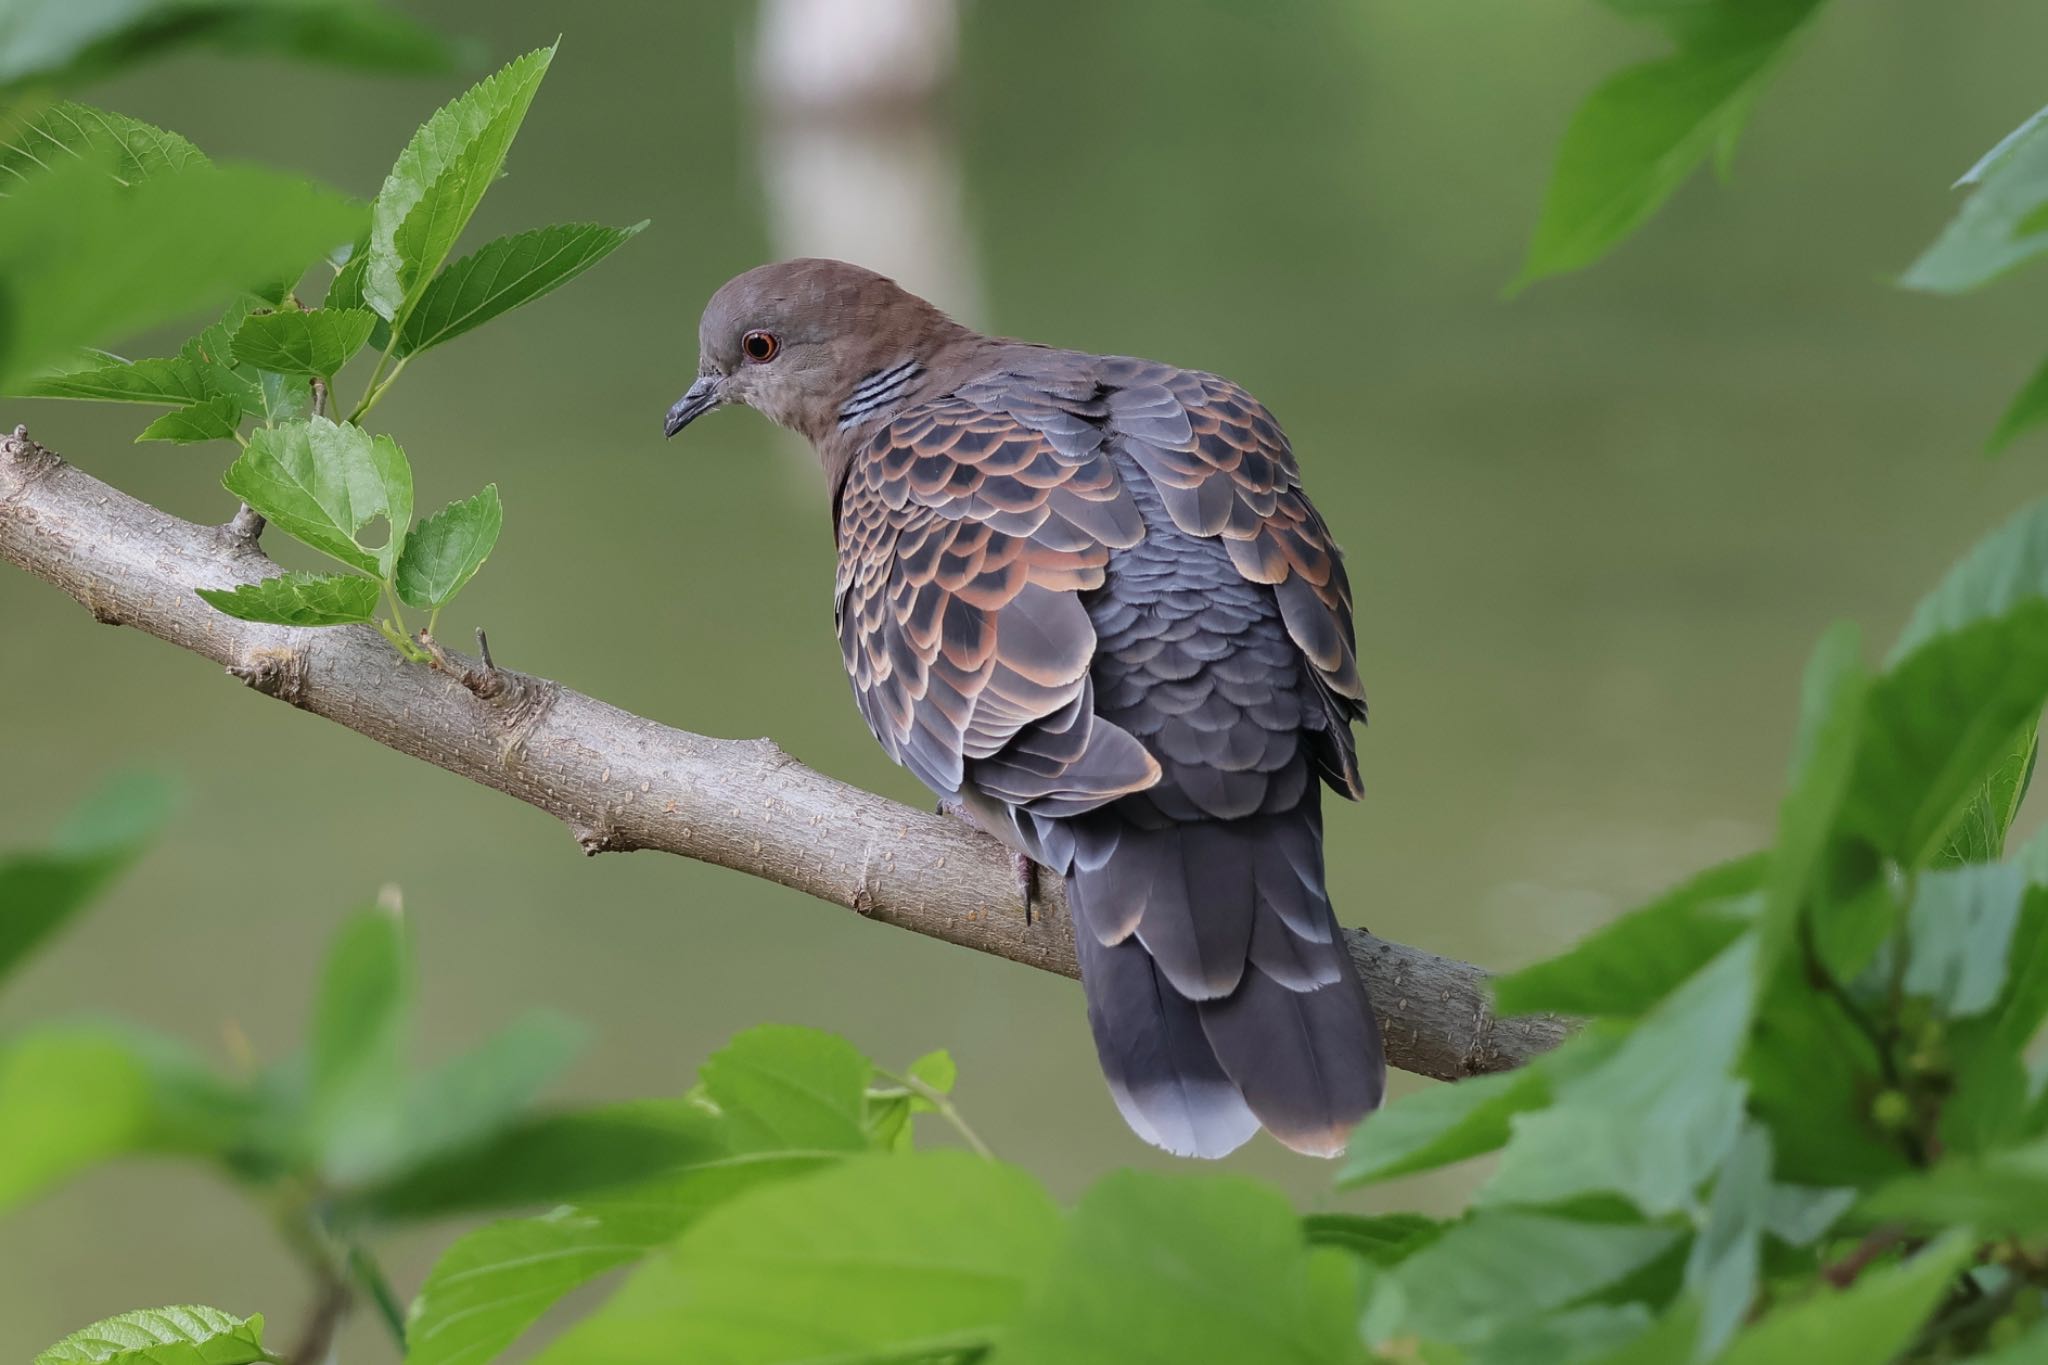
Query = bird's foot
x=1023 y=869
x=1027 y=883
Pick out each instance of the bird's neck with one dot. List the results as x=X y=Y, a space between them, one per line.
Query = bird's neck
x=893 y=381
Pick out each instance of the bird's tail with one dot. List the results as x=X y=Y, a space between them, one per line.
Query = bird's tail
x=1219 y=988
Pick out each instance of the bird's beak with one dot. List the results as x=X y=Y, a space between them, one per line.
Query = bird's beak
x=702 y=398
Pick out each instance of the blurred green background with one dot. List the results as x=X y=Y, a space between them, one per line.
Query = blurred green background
x=1593 y=531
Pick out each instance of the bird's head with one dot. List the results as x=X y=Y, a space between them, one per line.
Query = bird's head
x=813 y=345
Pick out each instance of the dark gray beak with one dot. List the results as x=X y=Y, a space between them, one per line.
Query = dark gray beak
x=702 y=398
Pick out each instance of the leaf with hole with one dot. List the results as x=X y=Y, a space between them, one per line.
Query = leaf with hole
x=322 y=483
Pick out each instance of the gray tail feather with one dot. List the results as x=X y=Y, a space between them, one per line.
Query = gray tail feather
x=1220 y=991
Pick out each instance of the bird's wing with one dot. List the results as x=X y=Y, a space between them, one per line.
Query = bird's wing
x=1224 y=468
x=965 y=539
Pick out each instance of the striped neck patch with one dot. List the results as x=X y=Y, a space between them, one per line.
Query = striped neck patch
x=877 y=391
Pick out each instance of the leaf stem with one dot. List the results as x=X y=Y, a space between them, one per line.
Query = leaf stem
x=379 y=382
x=940 y=1102
x=363 y=1267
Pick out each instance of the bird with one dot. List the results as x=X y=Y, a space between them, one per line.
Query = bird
x=1085 y=600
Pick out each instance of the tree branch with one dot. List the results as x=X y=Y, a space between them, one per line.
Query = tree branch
x=620 y=781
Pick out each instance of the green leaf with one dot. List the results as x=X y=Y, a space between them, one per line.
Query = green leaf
x=1641 y=134
x=216 y=419
x=66 y=131
x=307 y=341
x=1163 y=1270
x=502 y=276
x=1442 y=1125
x=1572 y=1336
x=361 y=1027
x=75 y=1095
x=1800 y=1215
x=1987 y=1108
x=322 y=483
x=58 y=42
x=1873 y=1320
x=2027 y=411
x=445 y=550
x=297 y=598
x=1979 y=835
x=1652 y=1120
x=1941 y=723
x=1999 y=225
x=2030 y=1349
x=288 y=398
x=465 y=1102
x=2002 y=573
x=1833 y=701
x=1999 y=1192
x=1499 y=1266
x=84 y=260
x=176 y=381
x=876 y=1258
x=439 y=180
x=494 y=1283
x=186 y=1335
x=781 y=1087
x=544 y=1160
x=1960 y=926
x=937 y=1070
x=1383 y=1239
x=1812 y=1072
x=1627 y=966
x=1727 y=1256
x=41 y=890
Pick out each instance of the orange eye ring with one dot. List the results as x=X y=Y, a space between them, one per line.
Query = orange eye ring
x=759 y=347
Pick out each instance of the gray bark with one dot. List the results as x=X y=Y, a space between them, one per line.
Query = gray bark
x=619 y=781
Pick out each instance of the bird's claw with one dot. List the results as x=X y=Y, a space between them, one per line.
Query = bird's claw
x=1023 y=869
x=1027 y=883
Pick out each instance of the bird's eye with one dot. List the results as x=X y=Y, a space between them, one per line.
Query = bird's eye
x=759 y=347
